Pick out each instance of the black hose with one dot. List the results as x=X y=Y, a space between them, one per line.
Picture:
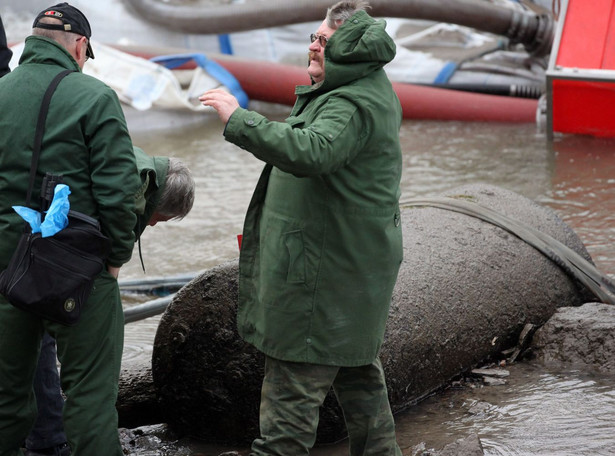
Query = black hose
x=534 y=31
x=512 y=90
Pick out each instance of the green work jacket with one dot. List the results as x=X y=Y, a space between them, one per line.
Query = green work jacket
x=86 y=141
x=322 y=241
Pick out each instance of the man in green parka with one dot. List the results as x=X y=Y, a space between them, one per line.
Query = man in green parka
x=322 y=241
x=86 y=141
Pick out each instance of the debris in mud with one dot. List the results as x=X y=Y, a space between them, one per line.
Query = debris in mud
x=491 y=372
x=491 y=376
x=467 y=446
x=523 y=345
x=154 y=440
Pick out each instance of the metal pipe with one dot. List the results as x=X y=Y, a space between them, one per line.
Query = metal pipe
x=156 y=285
x=148 y=309
x=534 y=31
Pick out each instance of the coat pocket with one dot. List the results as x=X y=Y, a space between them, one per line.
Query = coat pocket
x=293 y=240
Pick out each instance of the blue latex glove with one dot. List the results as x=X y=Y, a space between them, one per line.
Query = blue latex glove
x=56 y=218
x=31 y=216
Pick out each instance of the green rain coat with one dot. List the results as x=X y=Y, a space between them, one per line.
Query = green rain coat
x=86 y=141
x=322 y=241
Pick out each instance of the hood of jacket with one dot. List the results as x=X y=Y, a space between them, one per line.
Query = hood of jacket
x=153 y=173
x=359 y=47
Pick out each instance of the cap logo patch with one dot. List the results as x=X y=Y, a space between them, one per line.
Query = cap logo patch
x=53 y=13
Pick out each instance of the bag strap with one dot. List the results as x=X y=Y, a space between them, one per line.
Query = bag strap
x=40 y=129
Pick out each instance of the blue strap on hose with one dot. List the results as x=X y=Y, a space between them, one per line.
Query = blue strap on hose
x=214 y=69
x=225 y=44
x=446 y=73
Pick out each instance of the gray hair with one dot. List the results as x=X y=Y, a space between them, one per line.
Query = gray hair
x=178 y=195
x=63 y=38
x=342 y=11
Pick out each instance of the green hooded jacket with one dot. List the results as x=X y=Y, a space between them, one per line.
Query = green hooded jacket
x=152 y=173
x=322 y=241
x=86 y=141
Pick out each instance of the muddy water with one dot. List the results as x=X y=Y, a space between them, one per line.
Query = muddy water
x=536 y=412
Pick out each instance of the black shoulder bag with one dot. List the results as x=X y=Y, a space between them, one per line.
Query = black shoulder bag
x=52 y=277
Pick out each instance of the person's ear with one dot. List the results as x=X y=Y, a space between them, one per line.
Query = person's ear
x=81 y=51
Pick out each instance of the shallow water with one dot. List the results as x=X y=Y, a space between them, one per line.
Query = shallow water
x=537 y=412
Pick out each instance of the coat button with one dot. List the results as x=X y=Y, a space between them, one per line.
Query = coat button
x=308 y=341
x=250 y=121
x=396 y=219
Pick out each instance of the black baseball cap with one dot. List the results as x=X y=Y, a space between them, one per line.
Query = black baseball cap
x=72 y=19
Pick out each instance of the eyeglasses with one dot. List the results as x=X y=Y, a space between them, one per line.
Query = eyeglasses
x=322 y=40
x=87 y=57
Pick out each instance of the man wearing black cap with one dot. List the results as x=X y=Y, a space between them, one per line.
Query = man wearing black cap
x=73 y=21
x=47 y=436
x=87 y=142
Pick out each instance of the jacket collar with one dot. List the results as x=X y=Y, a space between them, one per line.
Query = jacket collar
x=42 y=50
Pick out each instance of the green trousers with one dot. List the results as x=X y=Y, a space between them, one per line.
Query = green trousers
x=292 y=394
x=90 y=354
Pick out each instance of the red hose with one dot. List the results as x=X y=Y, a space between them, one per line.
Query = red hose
x=275 y=83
